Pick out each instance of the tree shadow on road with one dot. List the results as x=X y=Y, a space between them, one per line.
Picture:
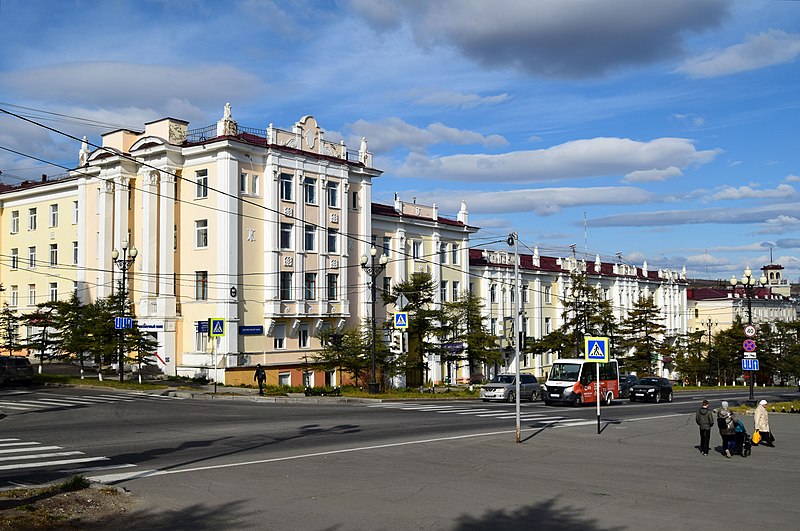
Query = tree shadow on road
x=542 y=515
x=196 y=517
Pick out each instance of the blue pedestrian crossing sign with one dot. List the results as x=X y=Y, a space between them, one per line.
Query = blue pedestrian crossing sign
x=596 y=348
x=216 y=327
x=401 y=320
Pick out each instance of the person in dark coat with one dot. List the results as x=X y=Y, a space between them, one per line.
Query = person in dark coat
x=705 y=419
x=260 y=376
x=726 y=422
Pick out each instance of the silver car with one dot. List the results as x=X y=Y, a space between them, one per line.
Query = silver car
x=503 y=387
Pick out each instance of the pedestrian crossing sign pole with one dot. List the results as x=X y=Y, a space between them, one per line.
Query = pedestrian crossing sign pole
x=596 y=349
x=216 y=329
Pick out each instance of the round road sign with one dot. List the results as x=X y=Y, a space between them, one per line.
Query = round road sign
x=749 y=330
x=749 y=345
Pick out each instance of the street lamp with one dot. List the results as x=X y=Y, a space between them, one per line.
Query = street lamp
x=749 y=283
x=123 y=264
x=373 y=270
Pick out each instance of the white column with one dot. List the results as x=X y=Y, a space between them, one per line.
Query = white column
x=226 y=239
x=148 y=253
x=166 y=245
x=105 y=237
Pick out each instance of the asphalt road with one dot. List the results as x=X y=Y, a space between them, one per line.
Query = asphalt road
x=248 y=463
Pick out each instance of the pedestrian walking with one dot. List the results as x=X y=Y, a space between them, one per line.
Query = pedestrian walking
x=761 y=418
x=726 y=422
x=704 y=419
x=260 y=376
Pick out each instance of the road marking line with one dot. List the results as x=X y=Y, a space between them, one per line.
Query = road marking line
x=8 y=440
x=39 y=456
x=50 y=463
x=17 y=442
x=17 y=405
x=98 y=468
x=474 y=412
x=29 y=403
x=23 y=408
x=55 y=402
x=38 y=448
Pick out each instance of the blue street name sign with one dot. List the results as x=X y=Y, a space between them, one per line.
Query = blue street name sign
x=251 y=330
x=123 y=322
x=749 y=364
x=202 y=326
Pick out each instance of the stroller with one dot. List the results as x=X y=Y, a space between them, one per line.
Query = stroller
x=743 y=443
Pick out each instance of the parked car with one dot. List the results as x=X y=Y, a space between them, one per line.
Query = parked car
x=503 y=387
x=652 y=388
x=626 y=381
x=15 y=369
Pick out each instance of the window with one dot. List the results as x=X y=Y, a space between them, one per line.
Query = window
x=201 y=233
x=310 y=238
x=201 y=285
x=53 y=289
x=310 y=287
x=310 y=191
x=547 y=294
x=416 y=250
x=242 y=183
x=493 y=326
x=285 y=288
x=31 y=294
x=14 y=296
x=455 y=290
x=546 y=325
x=14 y=258
x=54 y=215
x=14 y=221
x=387 y=284
x=493 y=293
x=443 y=291
x=200 y=339
x=285 y=378
x=286 y=236
x=333 y=194
x=454 y=253
x=31 y=219
x=355 y=200
x=74 y=252
x=472 y=288
x=201 y=184
x=279 y=337
x=53 y=254
x=31 y=256
x=442 y=253
x=302 y=336
x=524 y=293
x=74 y=212
x=286 y=186
x=333 y=286
x=333 y=240
x=254 y=184
x=387 y=246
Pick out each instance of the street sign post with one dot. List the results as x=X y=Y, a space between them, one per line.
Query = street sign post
x=749 y=345
x=596 y=349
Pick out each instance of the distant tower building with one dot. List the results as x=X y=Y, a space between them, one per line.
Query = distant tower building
x=775 y=280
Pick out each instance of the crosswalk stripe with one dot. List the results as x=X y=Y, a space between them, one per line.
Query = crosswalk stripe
x=38 y=448
x=31 y=403
x=39 y=456
x=17 y=405
x=17 y=443
x=52 y=463
x=474 y=411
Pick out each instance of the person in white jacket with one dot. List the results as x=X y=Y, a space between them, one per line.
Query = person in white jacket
x=761 y=418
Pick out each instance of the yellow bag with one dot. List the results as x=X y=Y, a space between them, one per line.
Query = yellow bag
x=756 y=437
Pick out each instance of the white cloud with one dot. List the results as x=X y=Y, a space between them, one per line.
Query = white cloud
x=729 y=193
x=758 y=51
x=576 y=159
x=642 y=176
x=394 y=132
x=459 y=99
x=555 y=38
x=780 y=225
x=792 y=179
x=692 y=119
x=724 y=215
x=542 y=201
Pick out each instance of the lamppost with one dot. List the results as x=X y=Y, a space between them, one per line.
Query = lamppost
x=123 y=264
x=749 y=283
x=373 y=270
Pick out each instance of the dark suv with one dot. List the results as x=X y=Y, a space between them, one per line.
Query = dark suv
x=626 y=381
x=15 y=369
x=652 y=388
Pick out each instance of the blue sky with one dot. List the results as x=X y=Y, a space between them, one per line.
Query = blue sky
x=665 y=131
